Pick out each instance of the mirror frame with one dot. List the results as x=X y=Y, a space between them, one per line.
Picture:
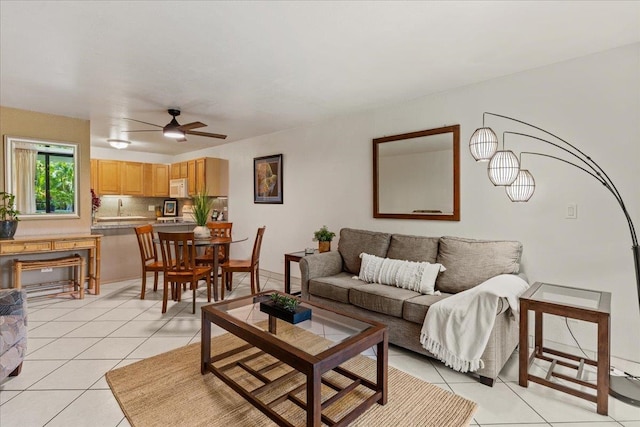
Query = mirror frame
x=455 y=215
x=9 y=142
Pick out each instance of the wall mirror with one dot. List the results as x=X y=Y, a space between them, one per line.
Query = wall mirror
x=43 y=175
x=417 y=175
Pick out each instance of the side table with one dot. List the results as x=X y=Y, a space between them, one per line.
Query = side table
x=288 y=258
x=582 y=304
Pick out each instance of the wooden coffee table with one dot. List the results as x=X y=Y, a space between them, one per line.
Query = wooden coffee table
x=242 y=317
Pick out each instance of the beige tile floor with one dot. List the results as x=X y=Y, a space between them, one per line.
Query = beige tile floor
x=72 y=343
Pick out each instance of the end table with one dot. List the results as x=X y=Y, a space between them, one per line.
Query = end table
x=295 y=257
x=582 y=304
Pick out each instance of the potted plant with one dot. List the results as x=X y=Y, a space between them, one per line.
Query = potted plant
x=201 y=208
x=324 y=238
x=285 y=307
x=8 y=215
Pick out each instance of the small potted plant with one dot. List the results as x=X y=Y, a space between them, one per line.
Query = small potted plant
x=8 y=215
x=285 y=307
x=201 y=208
x=324 y=238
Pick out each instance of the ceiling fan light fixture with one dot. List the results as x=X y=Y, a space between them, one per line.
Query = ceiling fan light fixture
x=118 y=143
x=172 y=130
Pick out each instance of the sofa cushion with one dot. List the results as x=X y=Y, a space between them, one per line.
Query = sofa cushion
x=380 y=298
x=415 y=276
x=415 y=309
x=353 y=242
x=413 y=248
x=335 y=288
x=470 y=262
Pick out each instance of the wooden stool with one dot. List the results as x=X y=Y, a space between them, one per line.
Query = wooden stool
x=76 y=262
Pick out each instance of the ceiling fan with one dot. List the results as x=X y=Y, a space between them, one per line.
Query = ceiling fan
x=175 y=130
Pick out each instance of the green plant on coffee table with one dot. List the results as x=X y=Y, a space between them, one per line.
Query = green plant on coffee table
x=323 y=235
x=285 y=302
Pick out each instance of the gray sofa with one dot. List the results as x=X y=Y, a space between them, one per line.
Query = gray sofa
x=329 y=278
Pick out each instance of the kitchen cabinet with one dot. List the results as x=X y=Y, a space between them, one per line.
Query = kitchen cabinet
x=109 y=177
x=132 y=178
x=94 y=175
x=191 y=178
x=114 y=177
x=212 y=174
x=179 y=170
x=160 y=180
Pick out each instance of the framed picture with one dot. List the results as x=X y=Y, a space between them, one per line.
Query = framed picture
x=170 y=207
x=267 y=179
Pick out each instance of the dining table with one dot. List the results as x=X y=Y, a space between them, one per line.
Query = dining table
x=215 y=243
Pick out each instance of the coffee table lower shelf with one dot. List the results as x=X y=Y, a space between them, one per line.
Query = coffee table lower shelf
x=252 y=396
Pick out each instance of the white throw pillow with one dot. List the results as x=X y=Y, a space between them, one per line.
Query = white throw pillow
x=415 y=276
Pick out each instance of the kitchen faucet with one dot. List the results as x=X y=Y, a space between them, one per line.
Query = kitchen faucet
x=119 y=207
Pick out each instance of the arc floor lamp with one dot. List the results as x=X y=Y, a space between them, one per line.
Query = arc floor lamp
x=504 y=169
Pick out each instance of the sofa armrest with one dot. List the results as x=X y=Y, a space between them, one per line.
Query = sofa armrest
x=318 y=265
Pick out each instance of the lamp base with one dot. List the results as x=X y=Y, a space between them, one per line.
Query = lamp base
x=626 y=389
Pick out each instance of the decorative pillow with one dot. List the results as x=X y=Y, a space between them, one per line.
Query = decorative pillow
x=470 y=262
x=353 y=242
x=415 y=276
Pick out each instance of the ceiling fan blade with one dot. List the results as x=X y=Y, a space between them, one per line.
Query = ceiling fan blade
x=210 y=135
x=140 y=121
x=192 y=125
x=146 y=130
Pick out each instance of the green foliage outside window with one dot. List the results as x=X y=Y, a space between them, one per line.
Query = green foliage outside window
x=61 y=186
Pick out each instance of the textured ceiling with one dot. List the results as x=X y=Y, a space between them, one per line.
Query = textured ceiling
x=251 y=68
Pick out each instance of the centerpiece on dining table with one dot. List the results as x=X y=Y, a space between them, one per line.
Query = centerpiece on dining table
x=201 y=206
x=286 y=308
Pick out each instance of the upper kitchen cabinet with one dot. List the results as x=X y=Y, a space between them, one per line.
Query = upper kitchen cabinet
x=94 y=175
x=156 y=178
x=212 y=174
x=191 y=178
x=179 y=170
x=109 y=177
x=132 y=178
x=114 y=177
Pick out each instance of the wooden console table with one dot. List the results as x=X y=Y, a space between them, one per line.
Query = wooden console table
x=59 y=243
x=574 y=303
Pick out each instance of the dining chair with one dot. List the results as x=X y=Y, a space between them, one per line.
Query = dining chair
x=244 y=266
x=179 y=258
x=218 y=229
x=148 y=256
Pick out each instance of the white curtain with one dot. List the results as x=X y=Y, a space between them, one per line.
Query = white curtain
x=24 y=175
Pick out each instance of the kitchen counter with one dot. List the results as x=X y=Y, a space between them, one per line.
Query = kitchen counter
x=109 y=225
x=120 y=252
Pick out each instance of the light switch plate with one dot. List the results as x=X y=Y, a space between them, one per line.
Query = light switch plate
x=572 y=211
x=151 y=208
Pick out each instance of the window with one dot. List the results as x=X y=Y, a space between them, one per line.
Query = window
x=54 y=180
x=43 y=175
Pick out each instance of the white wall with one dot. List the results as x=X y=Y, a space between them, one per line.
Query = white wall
x=593 y=102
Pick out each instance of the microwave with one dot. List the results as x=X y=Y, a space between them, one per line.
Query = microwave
x=178 y=188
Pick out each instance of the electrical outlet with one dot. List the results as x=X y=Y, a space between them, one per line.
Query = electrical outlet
x=151 y=208
x=572 y=211
x=46 y=270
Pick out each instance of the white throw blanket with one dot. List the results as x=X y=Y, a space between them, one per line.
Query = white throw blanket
x=456 y=330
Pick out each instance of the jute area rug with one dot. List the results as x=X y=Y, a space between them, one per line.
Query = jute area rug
x=168 y=390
